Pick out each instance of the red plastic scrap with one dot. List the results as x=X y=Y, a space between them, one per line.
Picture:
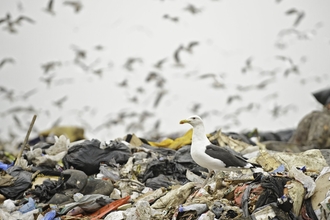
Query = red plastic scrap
x=109 y=207
x=238 y=194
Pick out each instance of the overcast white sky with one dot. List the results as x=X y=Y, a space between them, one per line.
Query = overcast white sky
x=110 y=32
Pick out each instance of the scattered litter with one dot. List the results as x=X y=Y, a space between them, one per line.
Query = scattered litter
x=68 y=177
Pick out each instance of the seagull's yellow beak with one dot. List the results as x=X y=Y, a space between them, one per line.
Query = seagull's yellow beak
x=184 y=121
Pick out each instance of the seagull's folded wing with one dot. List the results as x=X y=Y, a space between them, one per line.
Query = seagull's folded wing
x=228 y=156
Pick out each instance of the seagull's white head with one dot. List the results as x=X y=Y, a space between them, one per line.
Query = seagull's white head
x=193 y=120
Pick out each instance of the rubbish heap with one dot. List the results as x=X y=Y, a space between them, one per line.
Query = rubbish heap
x=133 y=178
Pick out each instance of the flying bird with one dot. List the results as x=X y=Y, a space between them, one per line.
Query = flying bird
x=50 y=66
x=6 y=19
x=174 y=19
x=77 y=6
x=160 y=95
x=177 y=55
x=98 y=72
x=195 y=108
x=153 y=76
x=49 y=8
x=248 y=65
x=11 y=24
x=192 y=9
x=59 y=103
x=210 y=156
x=249 y=107
x=17 y=121
x=99 y=47
x=191 y=45
x=48 y=80
x=123 y=83
x=80 y=54
x=6 y=60
x=9 y=93
x=13 y=110
x=29 y=93
x=23 y=18
x=160 y=63
x=218 y=81
x=292 y=67
x=130 y=62
x=300 y=15
x=231 y=98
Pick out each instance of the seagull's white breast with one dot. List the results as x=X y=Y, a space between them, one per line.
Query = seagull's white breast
x=201 y=158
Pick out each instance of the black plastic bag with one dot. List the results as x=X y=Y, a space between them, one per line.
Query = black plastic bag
x=23 y=181
x=87 y=156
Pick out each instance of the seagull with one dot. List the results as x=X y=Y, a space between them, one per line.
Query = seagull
x=77 y=6
x=210 y=156
x=174 y=19
x=50 y=66
x=23 y=18
x=130 y=61
x=6 y=60
x=49 y=8
x=192 y=9
x=160 y=63
x=177 y=55
x=300 y=15
x=190 y=46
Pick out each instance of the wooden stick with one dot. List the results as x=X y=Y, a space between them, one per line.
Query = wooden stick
x=26 y=139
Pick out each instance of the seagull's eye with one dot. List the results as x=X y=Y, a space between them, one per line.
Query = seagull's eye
x=193 y=117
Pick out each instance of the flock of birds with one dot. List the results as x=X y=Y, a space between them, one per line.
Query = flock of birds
x=155 y=75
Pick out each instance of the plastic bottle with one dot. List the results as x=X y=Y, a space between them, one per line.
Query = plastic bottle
x=29 y=206
x=199 y=208
x=49 y=215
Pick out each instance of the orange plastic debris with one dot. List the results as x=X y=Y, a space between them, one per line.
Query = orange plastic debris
x=108 y=208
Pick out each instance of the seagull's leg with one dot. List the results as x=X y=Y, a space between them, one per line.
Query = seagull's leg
x=207 y=178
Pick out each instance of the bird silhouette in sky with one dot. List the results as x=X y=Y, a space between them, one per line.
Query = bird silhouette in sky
x=123 y=83
x=47 y=80
x=232 y=98
x=218 y=81
x=20 y=109
x=50 y=66
x=29 y=93
x=279 y=110
x=176 y=55
x=259 y=85
x=80 y=53
x=8 y=93
x=11 y=24
x=191 y=45
x=174 y=19
x=160 y=63
x=50 y=7
x=6 y=60
x=152 y=76
x=292 y=67
x=299 y=15
x=160 y=95
x=192 y=9
x=130 y=62
x=98 y=72
x=21 y=18
x=59 y=103
x=248 y=65
x=77 y=5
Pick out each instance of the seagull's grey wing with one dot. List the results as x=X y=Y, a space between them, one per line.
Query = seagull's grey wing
x=230 y=157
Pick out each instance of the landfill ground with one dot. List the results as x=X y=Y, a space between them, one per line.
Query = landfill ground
x=61 y=175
